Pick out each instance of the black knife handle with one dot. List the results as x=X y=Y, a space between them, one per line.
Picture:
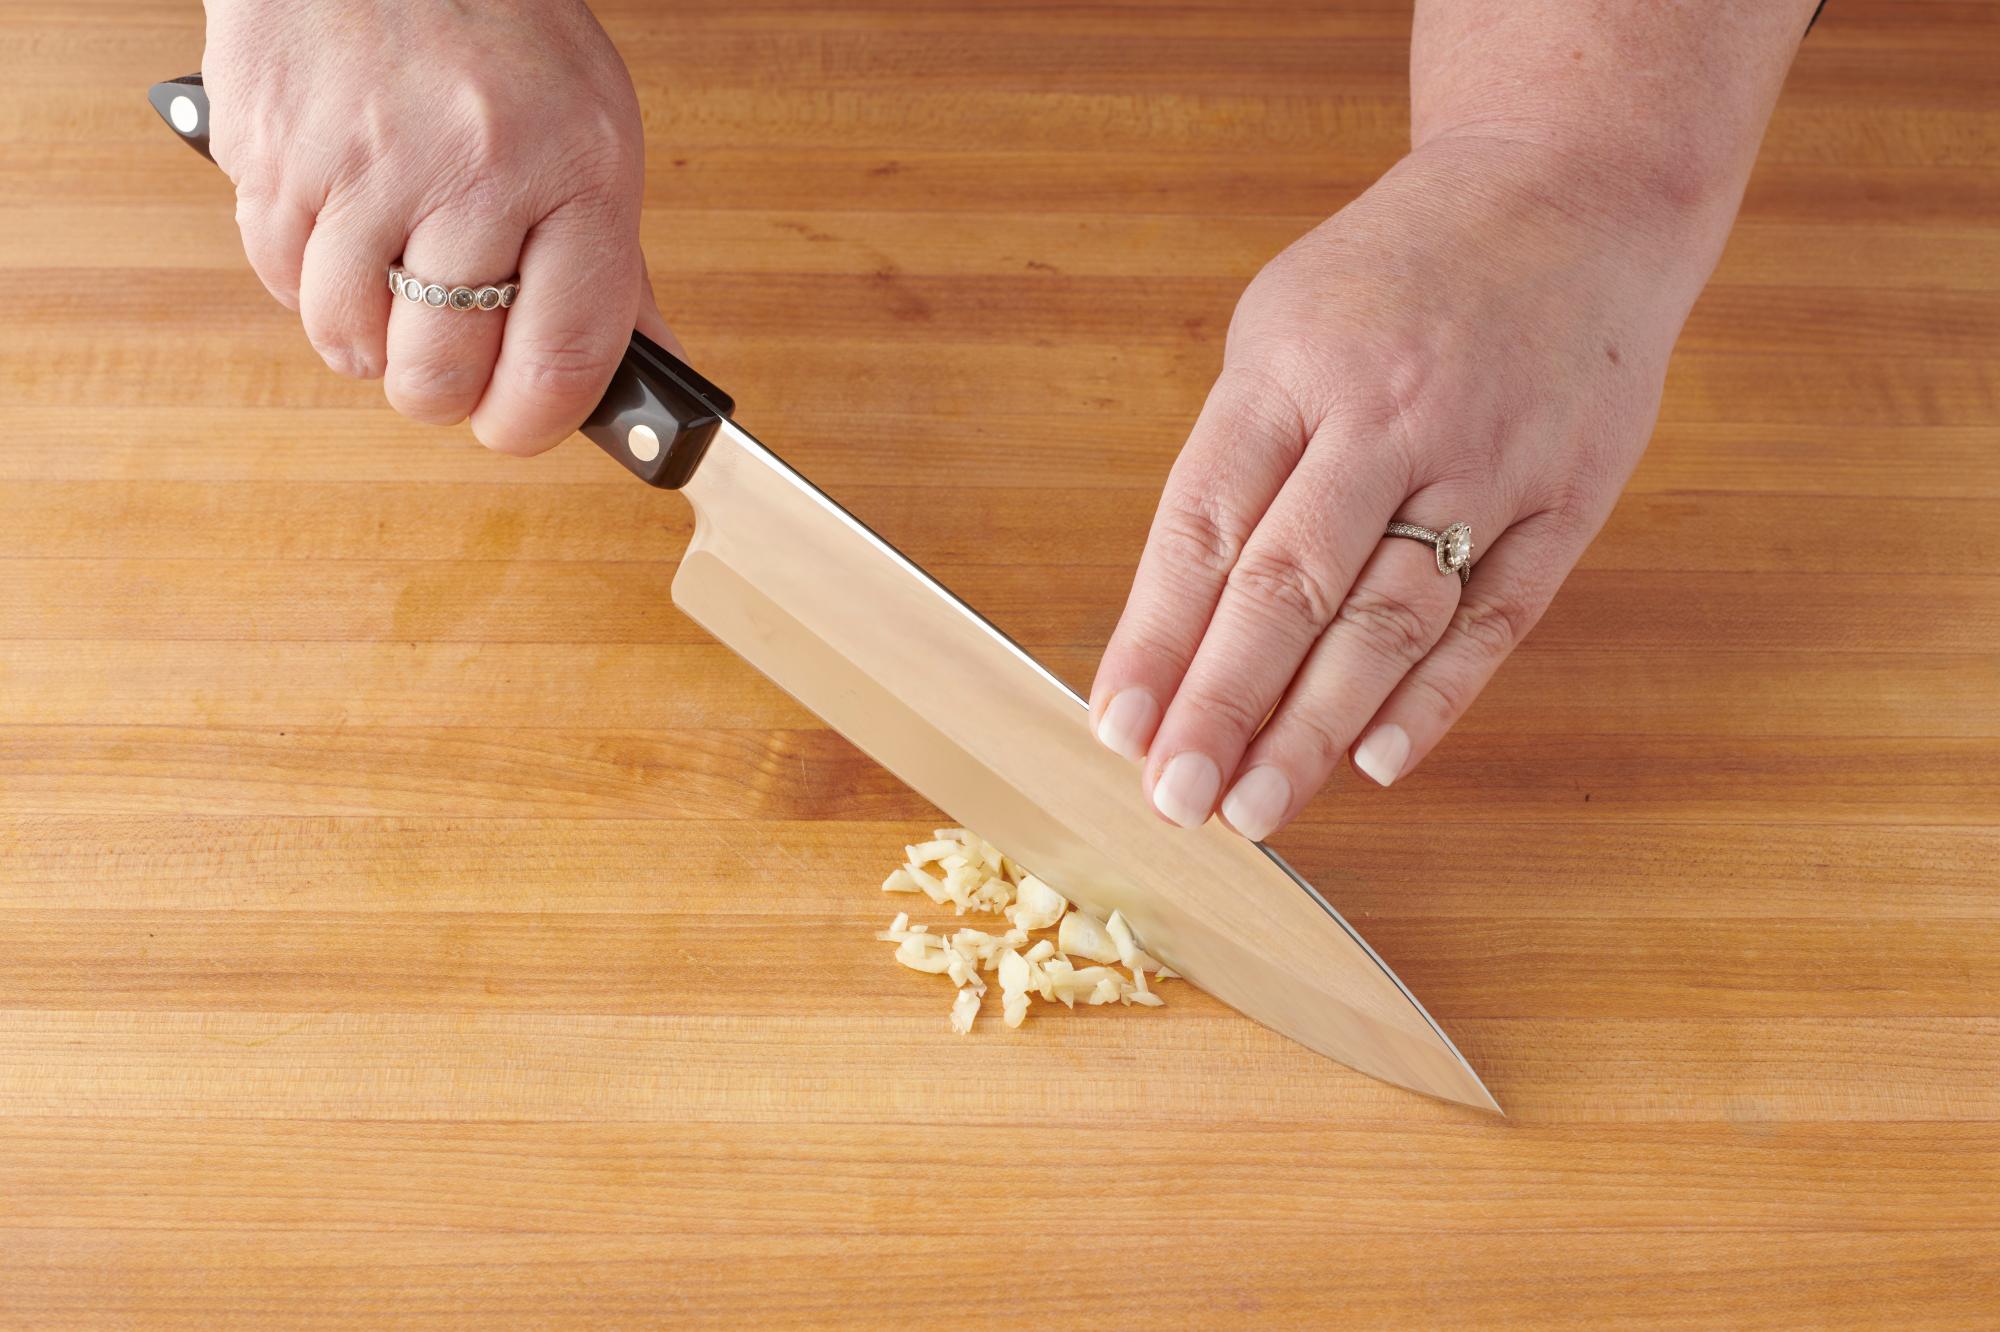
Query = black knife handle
x=657 y=415
x=183 y=104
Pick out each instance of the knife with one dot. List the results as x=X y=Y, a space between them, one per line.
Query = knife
x=887 y=656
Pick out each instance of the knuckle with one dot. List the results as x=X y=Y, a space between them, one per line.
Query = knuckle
x=253 y=211
x=486 y=128
x=609 y=152
x=1231 y=713
x=1151 y=641
x=1476 y=458
x=565 y=369
x=1199 y=533
x=1280 y=583
x=264 y=246
x=1310 y=735
x=256 y=174
x=1268 y=386
x=345 y=358
x=1300 y=365
x=1322 y=743
x=1406 y=371
x=1392 y=391
x=1283 y=384
x=510 y=439
x=439 y=392
x=479 y=189
x=1574 y=502
x=605 y=140
x=483 y=163
x=1394 y=625
x=340 y=334
x=256 y=224
x=1376 y=376
x=487 y=140
x=378 y=124
x=1444 y=696
x=1495 y=624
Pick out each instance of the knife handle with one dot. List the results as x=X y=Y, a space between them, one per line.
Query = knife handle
x=657 y=415
x=183 y=104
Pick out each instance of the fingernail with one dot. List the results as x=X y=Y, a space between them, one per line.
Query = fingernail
x=1383 y=753
x=1186 y=790
x=1257 y=801
x=1128 y=721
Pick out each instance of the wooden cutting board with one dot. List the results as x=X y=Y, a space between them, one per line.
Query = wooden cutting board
x=406 y=915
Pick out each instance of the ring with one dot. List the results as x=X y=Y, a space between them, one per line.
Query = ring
x=1453 y=546
x=438 y=296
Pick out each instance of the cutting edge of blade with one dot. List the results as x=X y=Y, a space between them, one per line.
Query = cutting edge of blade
x=839 y=511
x=1464 y=1064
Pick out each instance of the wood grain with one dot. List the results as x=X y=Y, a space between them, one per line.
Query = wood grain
x=407 y=917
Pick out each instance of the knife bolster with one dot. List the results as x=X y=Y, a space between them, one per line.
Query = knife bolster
x=657 y=415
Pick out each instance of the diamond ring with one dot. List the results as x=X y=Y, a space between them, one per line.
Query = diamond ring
x=1453 y=546
x=439 y=297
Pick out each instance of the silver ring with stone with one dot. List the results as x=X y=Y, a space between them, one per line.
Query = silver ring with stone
x=1453 y=546
x=440 y=297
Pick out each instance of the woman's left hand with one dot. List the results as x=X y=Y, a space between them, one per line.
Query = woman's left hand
x=1481 y=338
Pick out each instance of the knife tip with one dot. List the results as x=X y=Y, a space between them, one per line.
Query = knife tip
x=1473 y=1092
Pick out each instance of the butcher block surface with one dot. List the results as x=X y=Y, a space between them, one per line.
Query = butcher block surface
x=408 y=916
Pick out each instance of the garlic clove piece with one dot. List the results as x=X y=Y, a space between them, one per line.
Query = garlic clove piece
x=931 y=853
x=963 y=1009
x=1014 y=979
x=913 y=955
x=1036 y=905
x=1085 y=935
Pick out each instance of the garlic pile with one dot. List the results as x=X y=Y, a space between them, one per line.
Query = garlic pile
x=967 y=872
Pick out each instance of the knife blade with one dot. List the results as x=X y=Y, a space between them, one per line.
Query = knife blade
x=918 y=680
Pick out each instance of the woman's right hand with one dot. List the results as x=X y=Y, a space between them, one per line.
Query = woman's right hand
x=470 y=142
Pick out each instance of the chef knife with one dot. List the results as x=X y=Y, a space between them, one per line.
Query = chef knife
x=887 y=656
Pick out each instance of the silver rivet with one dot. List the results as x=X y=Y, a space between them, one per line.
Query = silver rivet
x=645 y=445
x=183 y=112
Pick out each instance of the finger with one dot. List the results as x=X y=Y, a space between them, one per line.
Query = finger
x=344 y=296
x=1397 y=610
x=274 y=229
x=1290 y=581
x=1511 y=586
x=651 y=322
x=1244 y=444
x=441 y=359
x=566 y=333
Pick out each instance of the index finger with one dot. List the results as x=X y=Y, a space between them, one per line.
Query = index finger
x=1244 y=444
x=567 y=330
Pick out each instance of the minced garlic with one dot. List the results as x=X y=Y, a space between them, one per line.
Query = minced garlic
x=959 y=869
